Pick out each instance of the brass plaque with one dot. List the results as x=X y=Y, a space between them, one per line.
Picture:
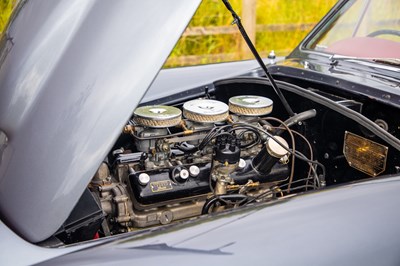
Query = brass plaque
x=364 y=155
x=160 y=186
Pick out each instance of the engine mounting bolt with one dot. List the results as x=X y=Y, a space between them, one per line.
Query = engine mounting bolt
x=166 y=217
x=144 y=179
x=184 y=174
x=194 y=170
x=242 y=164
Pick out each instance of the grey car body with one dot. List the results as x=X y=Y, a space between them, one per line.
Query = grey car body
x=45 y=46
x=66 y=92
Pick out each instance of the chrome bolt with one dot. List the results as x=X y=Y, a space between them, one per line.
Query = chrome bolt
x=184 y=174
x=194 y=170
x=242 y=164
x=144 y=179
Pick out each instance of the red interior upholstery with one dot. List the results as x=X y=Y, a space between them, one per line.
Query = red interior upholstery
x=366 y=47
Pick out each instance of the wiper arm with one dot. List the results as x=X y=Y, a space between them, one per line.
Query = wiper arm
x=345 y=57
x=390 y=61
x=237 y=21
x=336 y=57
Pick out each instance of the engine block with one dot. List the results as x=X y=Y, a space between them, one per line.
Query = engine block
x=172 y=175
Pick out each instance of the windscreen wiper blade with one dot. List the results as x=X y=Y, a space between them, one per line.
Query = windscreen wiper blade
x=237 y=21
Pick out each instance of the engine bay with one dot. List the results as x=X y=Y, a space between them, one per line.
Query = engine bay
x=227 y=150
x=212 y=161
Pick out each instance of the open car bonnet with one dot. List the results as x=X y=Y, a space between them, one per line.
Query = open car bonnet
x=71 y=74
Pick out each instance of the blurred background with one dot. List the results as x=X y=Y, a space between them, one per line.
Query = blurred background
x=6 y=7
x=277 y=25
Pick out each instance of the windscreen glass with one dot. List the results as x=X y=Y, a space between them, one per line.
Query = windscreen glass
x=363 y=28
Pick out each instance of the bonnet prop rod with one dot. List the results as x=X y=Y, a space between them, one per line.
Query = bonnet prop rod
x=237 y=21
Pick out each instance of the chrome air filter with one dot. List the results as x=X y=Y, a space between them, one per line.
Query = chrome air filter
x=205 y=111
x=157 y=116
x=249 y=105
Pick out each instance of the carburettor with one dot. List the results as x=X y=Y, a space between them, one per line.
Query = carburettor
x=178 y=164
x=152 y=123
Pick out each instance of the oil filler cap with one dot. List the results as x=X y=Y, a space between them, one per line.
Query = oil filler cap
x=275 y=149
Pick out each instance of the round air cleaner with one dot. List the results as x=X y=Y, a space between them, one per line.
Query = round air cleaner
x=205 y=111
x=249 y=105
x=157 y=116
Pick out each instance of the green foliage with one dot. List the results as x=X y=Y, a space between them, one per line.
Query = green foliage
x=227 y=47
x=6 y=7
x=269 y=12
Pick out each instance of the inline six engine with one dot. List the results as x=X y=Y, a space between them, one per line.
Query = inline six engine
x=205 y=155
x=204 y=158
